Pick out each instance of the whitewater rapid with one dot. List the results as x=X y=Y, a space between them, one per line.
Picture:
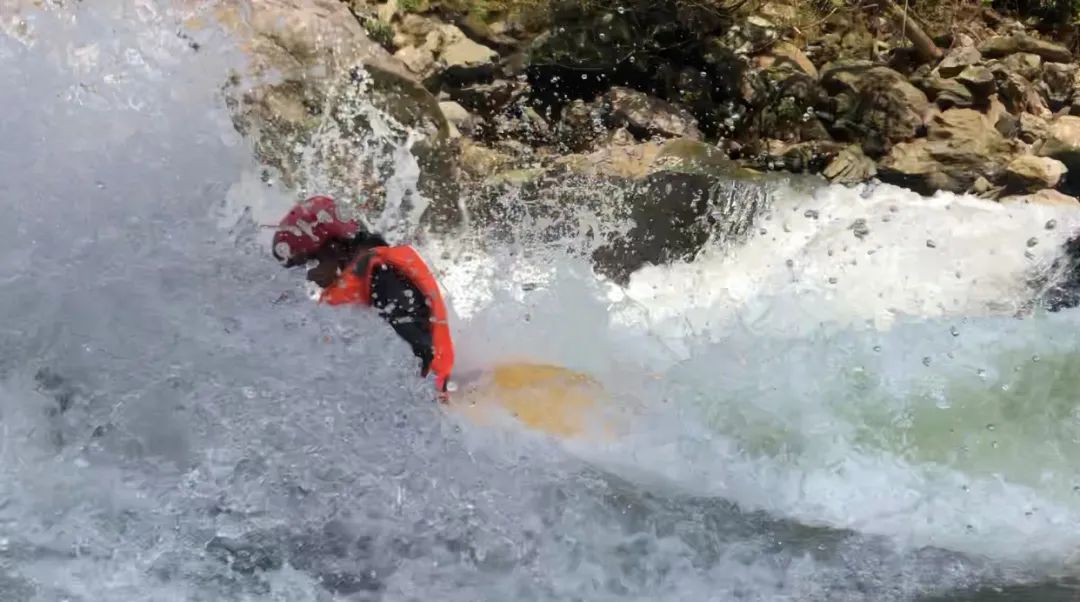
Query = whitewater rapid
x=852 y=404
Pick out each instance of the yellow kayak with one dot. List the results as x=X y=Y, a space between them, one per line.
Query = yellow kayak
x=543 y=397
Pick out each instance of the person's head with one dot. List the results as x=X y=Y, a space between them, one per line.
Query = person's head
x=314 y=231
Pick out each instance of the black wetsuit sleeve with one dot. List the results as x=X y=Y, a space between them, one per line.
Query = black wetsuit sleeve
x=402 y=304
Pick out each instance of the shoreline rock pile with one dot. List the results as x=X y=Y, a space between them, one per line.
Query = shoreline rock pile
x=600 y=87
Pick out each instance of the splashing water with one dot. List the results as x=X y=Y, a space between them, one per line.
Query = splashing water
x=837 y=409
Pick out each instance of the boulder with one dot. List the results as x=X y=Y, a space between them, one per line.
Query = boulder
x=957 y=60
x=417 y=27
x=671 y=215
x=850 y=166
x=459 y=51
x=947 y=93
x=418 y=60
x=579 y=127
x=1058 y=82
x=844 y=75
x=623 y=161
x=310 y=66
x=1043 y=197
x=488 y=100
x=961 y=146
x=684 y=155
x=1024 y=64
x=1028 y=173
x=782 y=101
x=1063 y=142
x=979 y=80
x=797 y=157
x=1032 y=129
x=1001 y=46
x=1020 y=96
x=885 y=107
x=482 y=162
x=458 y=117
x=647 y=116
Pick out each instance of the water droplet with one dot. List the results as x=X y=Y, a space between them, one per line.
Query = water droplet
x=877 y=348
x=620 y=10
x=1050 y=225
x=584 y=76
x=1005 y=387
x=965 y=488
x=1032 y=242
x=953 y=331
x=249 y=392
x=931 y=244
x=994 y=444
x=811 y=214
x=1035 y=358
x=990 y=427
x=981 y=373
x=833 y=280
x=926 y=360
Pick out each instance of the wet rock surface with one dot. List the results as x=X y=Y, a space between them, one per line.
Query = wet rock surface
x=507 y=97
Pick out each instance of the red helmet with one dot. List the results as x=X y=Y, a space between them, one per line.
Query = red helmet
x=307 y=227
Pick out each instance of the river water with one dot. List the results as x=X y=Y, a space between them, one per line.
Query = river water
x=854 y=404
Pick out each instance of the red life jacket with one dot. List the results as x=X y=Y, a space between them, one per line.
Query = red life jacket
x=353 y=289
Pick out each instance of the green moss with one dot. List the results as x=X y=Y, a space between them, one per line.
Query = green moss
x=413 y=6
x=380 y=33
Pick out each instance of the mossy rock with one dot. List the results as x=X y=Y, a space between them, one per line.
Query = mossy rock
x=694 y=157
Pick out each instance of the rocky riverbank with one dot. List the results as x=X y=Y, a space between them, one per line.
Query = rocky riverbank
x=509 y=100
x=987 y=107
x=512 y=90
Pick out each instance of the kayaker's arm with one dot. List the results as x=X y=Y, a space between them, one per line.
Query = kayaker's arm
x=401 y=304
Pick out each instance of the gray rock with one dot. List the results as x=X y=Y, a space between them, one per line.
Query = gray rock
x=1001 y=46
x=850 y=166
x=1025 y=64
x=844 y=75
x=1020 y=96
x=1043 y=197
x=957 y=60
x=961 y=146
x=458 y=50
x=979 y=80
x=1063 y=142
x=674 y=214
x=579 y=126
x=947 y=93
x=1032 y=129
x=1058 y=82
x=322 y=60
x=1028 y=173
x=646 y=116
x=418 y=60
x=488 y=100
